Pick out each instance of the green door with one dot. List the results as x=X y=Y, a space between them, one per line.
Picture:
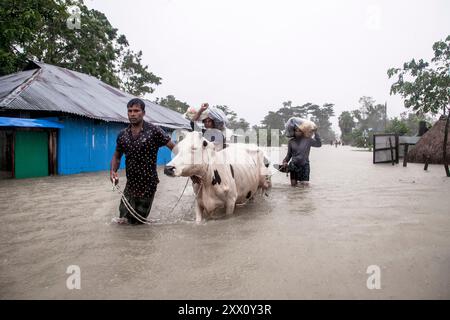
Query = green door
x=31 y=154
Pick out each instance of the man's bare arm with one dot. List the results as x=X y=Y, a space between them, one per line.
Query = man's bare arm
x=115 y=164
x=199 y=112
x=170 y=145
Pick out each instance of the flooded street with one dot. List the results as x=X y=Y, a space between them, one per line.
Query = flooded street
x=298 y=243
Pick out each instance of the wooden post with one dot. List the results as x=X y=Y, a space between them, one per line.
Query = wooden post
x=13 y=158
x=405 y=155
x=55 y=152
x=447 y=171
x=52 y=152
x=426 y=162
x=392 y=151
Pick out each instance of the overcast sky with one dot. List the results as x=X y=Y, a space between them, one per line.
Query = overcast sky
x=253 y=55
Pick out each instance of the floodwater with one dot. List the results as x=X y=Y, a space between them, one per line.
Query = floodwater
x=298 y=243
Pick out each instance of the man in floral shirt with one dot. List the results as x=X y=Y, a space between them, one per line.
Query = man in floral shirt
x=139 y=142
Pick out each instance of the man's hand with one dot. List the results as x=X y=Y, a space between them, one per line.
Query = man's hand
x=204 y=107
x=114 y=177
x=285 y=164
x=170 y=145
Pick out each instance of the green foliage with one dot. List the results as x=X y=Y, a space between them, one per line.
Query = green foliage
x=172 y=103
x=362 y=138
x=136 y=77
x=274 y=120
x=423 y=85
x=346 y=124
x=19 y=22
x=397 y=126
x=370 y=115
x=320 y=115
x=357 y=126
x=233 y=122
x=408 y=123
x=37 y=29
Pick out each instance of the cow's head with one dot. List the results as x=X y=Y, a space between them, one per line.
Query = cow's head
x=192 y=155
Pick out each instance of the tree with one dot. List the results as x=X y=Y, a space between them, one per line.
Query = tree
x=242 y=124
x=346 y=124
x=37 y=29
x=412 y=120
x=397 y=126
x=273 y=120
x=369 y=116
x=426 y=86
x=172 y=103
x=231 y=115
x=19 y=22
x=301 y=111
x=233 y=122
x=359 y=139
x=321 y=116
x=135 y=77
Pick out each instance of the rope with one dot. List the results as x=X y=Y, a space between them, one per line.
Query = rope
x=128 y=206
x=182 y=193
x=135 y=214
x=141 y=219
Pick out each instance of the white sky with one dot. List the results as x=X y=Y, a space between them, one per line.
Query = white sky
x=253 y=55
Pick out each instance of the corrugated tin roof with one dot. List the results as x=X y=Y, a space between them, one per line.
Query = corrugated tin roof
x=52 y=88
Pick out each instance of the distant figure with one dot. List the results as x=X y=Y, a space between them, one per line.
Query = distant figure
x=335 y=143
x=331 y=143
x=298 y=154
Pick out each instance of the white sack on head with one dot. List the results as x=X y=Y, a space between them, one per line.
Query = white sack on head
x=218 y=116
x=191 y=112
x=306 y=126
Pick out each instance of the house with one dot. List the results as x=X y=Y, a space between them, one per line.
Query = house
x=57 y=121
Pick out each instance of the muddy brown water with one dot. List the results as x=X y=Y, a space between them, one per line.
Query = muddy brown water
x=298 y=243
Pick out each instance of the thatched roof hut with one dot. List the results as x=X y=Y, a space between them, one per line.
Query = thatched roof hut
x=431 y=145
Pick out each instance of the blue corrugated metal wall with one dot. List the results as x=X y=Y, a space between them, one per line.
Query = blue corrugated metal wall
x=86 y=145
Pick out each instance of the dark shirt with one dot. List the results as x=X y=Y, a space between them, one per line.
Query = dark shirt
x=298 y=149
x=140 y=158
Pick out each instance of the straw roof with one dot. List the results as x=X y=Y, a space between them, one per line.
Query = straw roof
x=431 y=145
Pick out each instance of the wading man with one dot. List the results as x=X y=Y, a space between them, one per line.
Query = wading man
x=139 y=142
x=298 y=153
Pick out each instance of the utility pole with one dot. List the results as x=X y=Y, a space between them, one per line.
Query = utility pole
x=385 y=115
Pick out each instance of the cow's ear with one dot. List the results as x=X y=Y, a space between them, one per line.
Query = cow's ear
x=205 y=143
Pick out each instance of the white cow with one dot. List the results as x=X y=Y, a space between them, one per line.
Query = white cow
x=228 y=177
